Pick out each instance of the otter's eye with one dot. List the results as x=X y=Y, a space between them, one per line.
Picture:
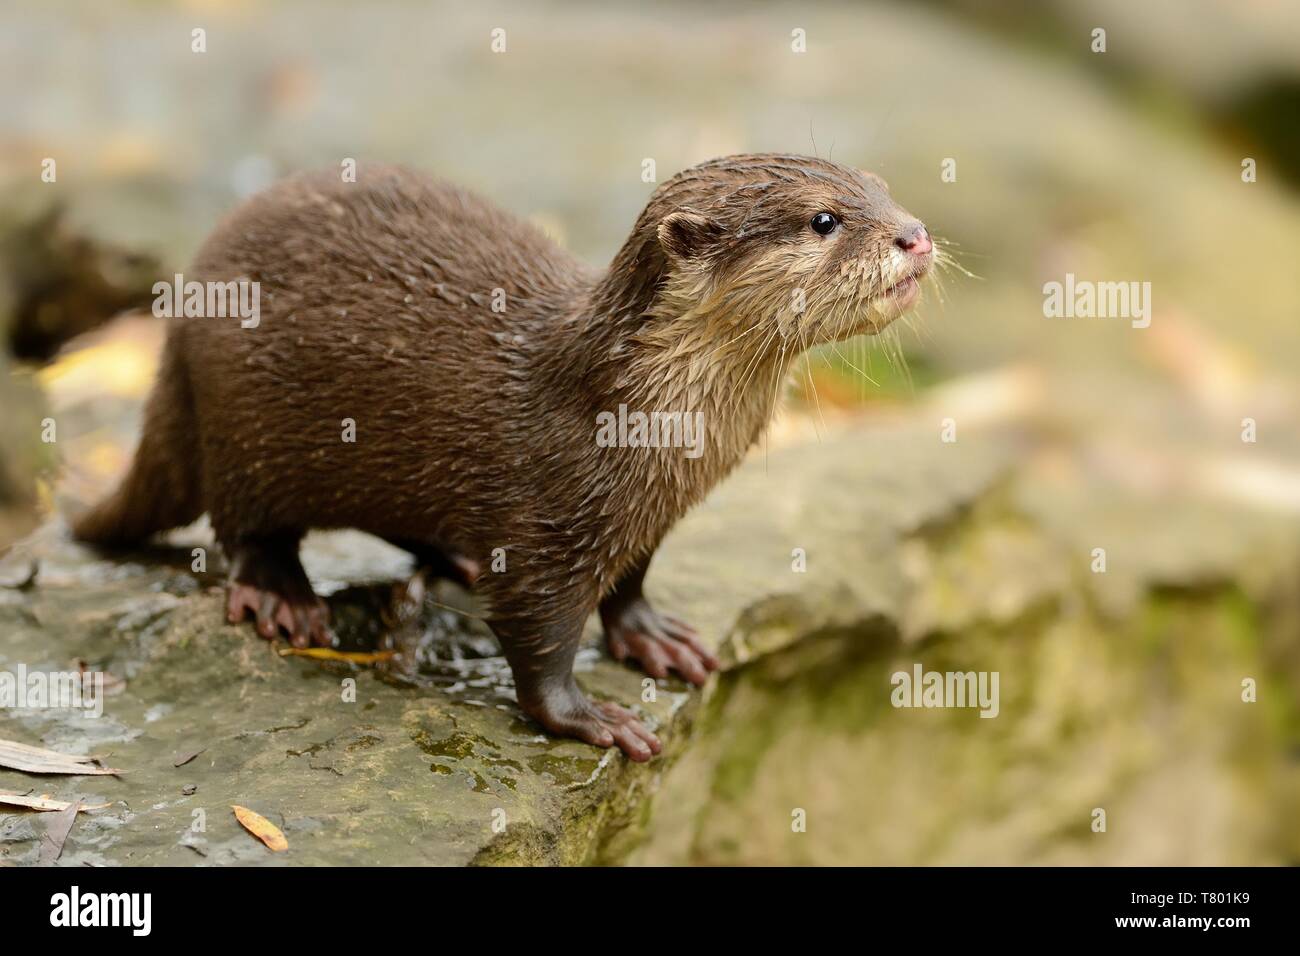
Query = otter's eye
x=824 y=223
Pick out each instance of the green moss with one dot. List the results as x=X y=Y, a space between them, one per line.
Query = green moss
x=1093 y=712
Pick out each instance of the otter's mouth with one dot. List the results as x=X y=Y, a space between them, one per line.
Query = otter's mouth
x=903 y=294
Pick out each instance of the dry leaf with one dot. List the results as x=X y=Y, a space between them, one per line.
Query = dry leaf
x=18 y=756
x=42 y=802
x=183 y=758
x=262 y=828
x=326 y=654
x=56 y=834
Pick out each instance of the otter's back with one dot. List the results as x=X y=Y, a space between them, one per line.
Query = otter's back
x=375 y=308
x=391 y=224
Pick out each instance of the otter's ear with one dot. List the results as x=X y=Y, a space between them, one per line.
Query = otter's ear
x=685 y=235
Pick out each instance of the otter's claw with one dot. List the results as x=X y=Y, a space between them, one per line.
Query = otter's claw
x=658 y=642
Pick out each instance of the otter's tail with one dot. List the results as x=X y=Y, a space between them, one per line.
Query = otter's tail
x=161 y=490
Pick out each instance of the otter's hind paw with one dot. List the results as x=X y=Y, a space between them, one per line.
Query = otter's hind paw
x=302 y=622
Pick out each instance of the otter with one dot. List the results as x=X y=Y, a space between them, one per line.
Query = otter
x=473 y=359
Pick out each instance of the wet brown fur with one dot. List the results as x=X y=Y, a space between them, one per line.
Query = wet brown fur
x=475 y=429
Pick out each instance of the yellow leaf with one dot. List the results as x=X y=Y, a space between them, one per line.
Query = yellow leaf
x=326 y=654
x=262 y=828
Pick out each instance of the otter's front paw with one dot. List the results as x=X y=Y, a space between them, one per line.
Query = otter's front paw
x=658 y=642
x=304 y=621
x=568 y=712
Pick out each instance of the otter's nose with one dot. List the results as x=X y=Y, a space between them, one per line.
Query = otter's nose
x=914 y=239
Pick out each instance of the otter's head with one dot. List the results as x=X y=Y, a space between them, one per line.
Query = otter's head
x=817 y=249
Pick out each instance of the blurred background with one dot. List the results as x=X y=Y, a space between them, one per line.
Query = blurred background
x=1117 y=166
